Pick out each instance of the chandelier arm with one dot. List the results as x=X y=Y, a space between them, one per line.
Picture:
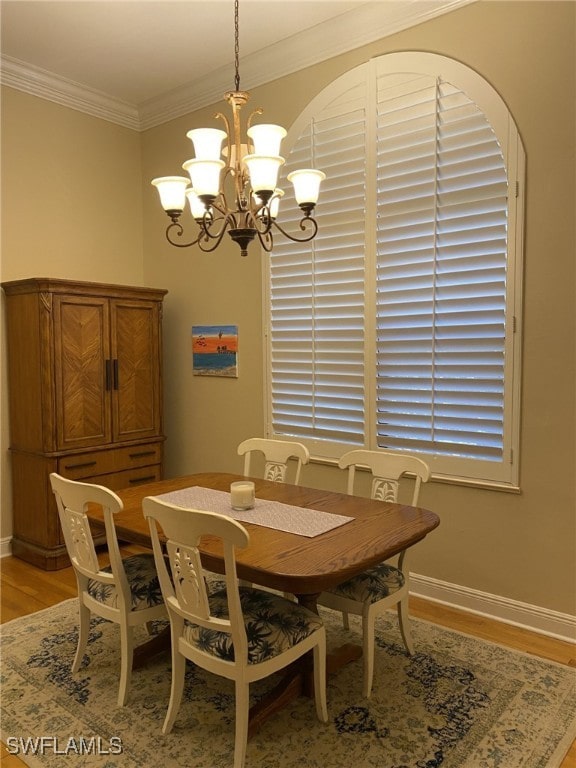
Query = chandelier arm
x=208 y=229
x=203 y=242
x=258 y=219
x=221 y=205
x=258 y=111
x=179 y=232
x=229 y=218
x=266 y=239
x=306 y=220
x=229 y=222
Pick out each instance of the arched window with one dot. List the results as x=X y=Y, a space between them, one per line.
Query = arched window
x=397 y=327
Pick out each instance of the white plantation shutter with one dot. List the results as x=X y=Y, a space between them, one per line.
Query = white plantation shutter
x=395 y=327
x=441 y=272
x=316 y=320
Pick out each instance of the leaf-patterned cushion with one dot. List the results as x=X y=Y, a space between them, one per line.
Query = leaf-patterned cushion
x=142 y=579
x=371 y=585
x=273 y=624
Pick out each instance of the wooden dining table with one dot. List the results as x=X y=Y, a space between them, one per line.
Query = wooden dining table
x=304 y=566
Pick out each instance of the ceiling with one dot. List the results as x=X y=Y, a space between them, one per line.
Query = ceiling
x=141 y=62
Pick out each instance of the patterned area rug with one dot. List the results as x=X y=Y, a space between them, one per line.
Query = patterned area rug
x=458 y=702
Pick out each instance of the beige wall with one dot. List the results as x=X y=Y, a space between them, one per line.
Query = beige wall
x=70 y=208
x=520 y=547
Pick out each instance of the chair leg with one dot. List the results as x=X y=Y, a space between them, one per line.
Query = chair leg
x=126 y=657
x=345 y=620
x=83 y=633
x=242 y=713
x=320 y=680
x=404 y=622
x=176 y=689
x=368 y=622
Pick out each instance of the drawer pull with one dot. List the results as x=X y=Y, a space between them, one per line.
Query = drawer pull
x=140 y=454
x=82 y=465
x=148 y=479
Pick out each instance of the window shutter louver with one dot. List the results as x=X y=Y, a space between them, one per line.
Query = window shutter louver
x=317 y=288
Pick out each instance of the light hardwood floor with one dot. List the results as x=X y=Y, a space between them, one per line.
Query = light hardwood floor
x=26 y=589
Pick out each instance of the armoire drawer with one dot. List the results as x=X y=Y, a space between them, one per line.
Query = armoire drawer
x=82 y=466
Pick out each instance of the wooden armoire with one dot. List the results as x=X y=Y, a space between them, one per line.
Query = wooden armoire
x=85 y=395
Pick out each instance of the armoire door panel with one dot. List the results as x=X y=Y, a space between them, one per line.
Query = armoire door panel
x=82 y=349
x=136 y=370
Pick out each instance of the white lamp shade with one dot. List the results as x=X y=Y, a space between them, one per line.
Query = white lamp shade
x=172 y=191
x=306 y=183
x=196 y=205
x=207 y=142
x=266 y=138
x=263 y=170
x=205 y=175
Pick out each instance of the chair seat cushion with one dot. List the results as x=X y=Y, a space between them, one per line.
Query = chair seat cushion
x=371 y=585
x=143 y=581
x=273 y=625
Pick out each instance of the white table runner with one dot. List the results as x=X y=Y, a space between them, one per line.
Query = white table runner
x=272 y=514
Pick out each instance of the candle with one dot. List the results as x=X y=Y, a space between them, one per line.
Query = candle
x=242 y=495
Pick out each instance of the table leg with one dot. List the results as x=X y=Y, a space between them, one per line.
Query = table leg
x=156 y=644
x=337 y=658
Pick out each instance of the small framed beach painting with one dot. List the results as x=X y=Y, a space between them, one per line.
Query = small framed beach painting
x=215 y=350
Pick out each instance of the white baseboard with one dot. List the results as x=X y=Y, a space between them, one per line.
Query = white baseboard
x=5 y=546
x=532 y=617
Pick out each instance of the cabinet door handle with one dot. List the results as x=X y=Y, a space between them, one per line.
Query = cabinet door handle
x=108 y=375
x=80 y=465
x=115 y=369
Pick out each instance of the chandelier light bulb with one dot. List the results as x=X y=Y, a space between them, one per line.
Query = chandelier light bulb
x=266 y=138
x=207 y=142
x=172 y=191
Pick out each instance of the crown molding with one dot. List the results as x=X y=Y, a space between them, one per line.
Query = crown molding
x=39 y=82
x=365 y=24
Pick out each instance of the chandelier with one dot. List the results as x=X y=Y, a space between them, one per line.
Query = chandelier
x=244 y=172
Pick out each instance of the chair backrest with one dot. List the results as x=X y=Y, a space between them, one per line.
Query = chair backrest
x=72 y=498
x=184 y=587
x=277 y=454
x=387 y=469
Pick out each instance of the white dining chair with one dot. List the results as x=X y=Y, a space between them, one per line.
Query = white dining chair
x=277 y=456
x=241 y=633
x=385 y=585
x=127 y=592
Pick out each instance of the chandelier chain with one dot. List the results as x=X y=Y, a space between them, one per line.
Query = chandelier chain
x=236 y=47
